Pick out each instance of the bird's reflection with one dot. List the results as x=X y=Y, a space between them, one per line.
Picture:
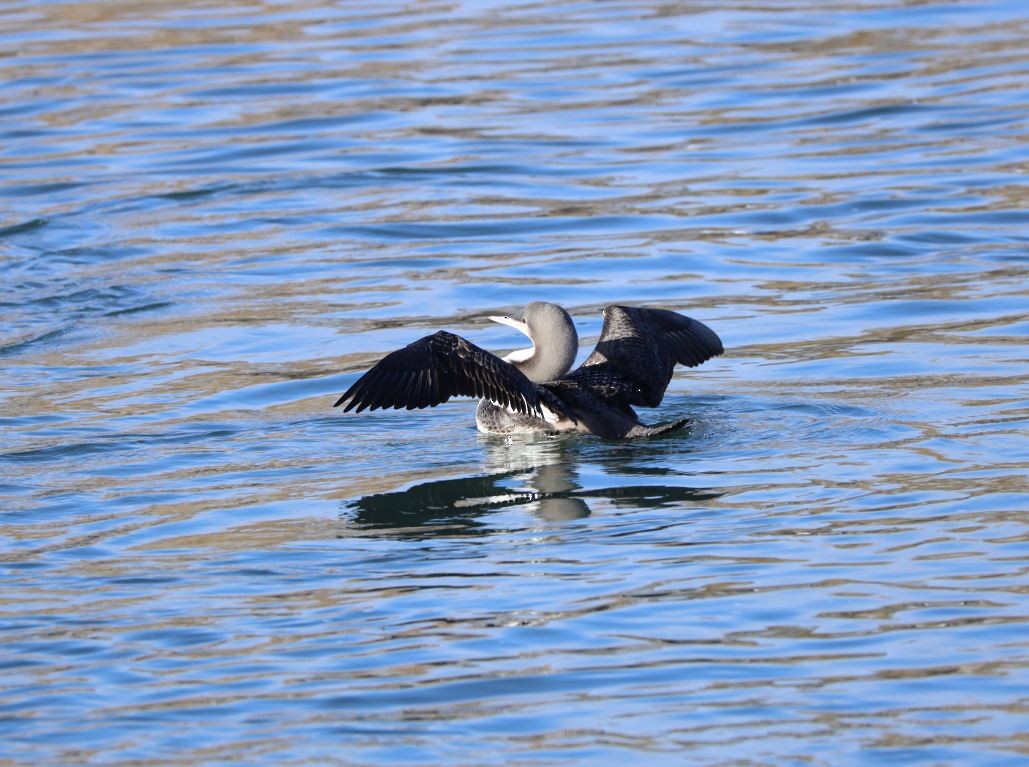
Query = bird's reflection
x=556 y=486
x=540 y=474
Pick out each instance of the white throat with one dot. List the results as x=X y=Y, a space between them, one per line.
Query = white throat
x=520 y=355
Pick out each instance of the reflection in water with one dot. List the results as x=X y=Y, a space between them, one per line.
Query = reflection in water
x=539 y=473
x=452 y=505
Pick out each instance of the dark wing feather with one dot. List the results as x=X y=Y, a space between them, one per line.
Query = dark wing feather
x=637 y=352
x=434 y=369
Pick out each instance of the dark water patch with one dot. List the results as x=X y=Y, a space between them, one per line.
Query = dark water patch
x=28 y=191
x=143 y=580
x=944 y=237
x=870 y=250
x=114 y=440
x=875 y=113
x=511 y=228
x=90 y=254
x=85 y=297
x=23 y=228
x=58 y=452
x=136 y=309
x=187 y=195
x=42 y=339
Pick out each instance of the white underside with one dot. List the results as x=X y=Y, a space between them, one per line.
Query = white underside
x=548 y=415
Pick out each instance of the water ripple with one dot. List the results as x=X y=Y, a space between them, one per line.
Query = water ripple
x=215 y=217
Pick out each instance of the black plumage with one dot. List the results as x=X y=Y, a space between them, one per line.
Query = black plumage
x=632 y=364
x=435 y=368
x=637 y=353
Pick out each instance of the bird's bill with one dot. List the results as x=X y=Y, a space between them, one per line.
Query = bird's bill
x=519 y=325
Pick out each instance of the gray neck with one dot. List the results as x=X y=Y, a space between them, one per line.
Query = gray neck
x=555 y=346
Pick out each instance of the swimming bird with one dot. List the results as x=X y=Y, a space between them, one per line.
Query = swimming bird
x=533 y=390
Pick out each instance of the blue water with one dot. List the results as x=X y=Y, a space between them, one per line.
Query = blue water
x=213 y=217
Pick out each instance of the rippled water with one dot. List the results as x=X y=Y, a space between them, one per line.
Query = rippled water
x=213 y=218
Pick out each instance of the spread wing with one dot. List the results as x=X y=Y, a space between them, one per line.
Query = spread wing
x=435 y=368
x=637 y=352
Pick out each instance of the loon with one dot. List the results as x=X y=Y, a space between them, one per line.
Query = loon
x=532 y=390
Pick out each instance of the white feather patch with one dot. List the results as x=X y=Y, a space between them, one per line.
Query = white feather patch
x=520 y=355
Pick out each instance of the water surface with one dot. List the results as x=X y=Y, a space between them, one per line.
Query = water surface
x=212 y=219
